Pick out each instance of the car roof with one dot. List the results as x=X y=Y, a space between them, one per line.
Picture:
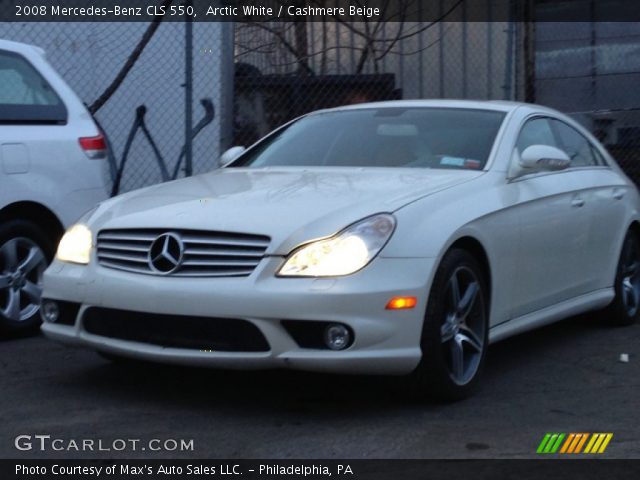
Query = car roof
x=496 y=105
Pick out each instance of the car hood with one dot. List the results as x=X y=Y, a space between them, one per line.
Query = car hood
x=291 y=205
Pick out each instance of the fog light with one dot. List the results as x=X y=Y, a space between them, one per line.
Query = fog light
x=337 y=337
x=49 y=311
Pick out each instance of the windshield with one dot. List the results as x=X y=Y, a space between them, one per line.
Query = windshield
x=453 y=138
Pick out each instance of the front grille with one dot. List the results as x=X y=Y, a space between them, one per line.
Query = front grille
x=205 y=254
x=176 y=331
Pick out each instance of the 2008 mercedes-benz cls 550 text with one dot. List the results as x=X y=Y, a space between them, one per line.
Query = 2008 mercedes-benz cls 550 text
x=388 y=238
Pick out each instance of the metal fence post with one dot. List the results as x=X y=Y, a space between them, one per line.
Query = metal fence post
x=507 y=86
x=188 y=92
x=529 y=49
x=226 y=110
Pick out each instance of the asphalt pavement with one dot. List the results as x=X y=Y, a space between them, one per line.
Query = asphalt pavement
x=566 y=377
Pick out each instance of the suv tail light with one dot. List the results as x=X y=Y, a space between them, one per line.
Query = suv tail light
x=94 y=147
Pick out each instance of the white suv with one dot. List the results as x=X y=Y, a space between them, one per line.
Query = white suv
x=53 y=168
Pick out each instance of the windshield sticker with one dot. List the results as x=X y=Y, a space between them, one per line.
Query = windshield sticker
x=452 y=161
x=471 y=163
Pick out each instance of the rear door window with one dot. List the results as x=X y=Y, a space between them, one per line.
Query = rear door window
x=25 y=96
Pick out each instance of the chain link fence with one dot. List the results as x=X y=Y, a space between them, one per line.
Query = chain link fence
x=204 y=87
x=133 y=77
x=591 y=71
x=588 y=70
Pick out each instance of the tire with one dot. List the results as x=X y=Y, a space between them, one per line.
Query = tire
x=25 y=253
x=625 y=307
x=454 y=340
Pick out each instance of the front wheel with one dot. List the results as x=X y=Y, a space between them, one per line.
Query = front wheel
x=625 y=307
x=454 y=335
x=25 y=253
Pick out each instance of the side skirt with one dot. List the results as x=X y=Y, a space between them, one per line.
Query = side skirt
x=584 y=303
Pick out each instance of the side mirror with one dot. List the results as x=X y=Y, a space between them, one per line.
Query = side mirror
x=539 y=158
x=229 y=156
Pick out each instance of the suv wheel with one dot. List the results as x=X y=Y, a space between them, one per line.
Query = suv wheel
x=25 y=253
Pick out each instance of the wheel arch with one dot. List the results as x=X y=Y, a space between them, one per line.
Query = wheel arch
x=36 y=213
x=635 y=227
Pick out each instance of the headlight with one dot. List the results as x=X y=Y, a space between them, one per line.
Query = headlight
x=75 y=246
x=343 y=254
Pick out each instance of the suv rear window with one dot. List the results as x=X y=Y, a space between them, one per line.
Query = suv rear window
x=25 y=96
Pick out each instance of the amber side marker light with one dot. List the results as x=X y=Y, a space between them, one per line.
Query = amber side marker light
x=400 y=303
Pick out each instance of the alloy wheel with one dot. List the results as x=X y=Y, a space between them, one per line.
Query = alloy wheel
x=22 y=264
x=463 y=330
x=630 y=278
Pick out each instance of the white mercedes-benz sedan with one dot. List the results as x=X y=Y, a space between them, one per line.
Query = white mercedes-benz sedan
x=388 y=238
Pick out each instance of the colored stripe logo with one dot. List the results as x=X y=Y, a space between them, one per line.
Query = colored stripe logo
x=574 y=443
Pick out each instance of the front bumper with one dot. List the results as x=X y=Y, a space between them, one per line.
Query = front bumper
x=386 y=341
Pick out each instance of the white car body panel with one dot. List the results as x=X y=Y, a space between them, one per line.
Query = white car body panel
x=243 y=200
x=386 y=344
x=45 y=164
x=538 y=273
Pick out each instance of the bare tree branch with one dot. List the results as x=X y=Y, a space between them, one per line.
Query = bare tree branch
x=376 y=39
x=280 y=36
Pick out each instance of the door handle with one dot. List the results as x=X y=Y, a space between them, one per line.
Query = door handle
x=618 y=193
x=577 y=202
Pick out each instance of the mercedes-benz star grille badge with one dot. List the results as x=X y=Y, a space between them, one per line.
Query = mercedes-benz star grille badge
x=166 y=253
